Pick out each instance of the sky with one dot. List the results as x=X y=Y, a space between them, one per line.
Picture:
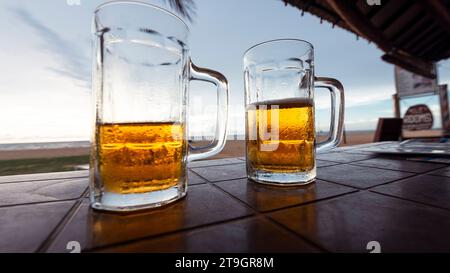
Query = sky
x=46 y=52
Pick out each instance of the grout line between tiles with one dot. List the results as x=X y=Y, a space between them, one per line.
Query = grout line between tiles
x=42 y=180
x=45 y=202
x=403 y=171
x=410 y=200
x=344 y=162
x=401 y=179
x=169 y=233
x=292 y=232
x=258 y=213
x=341 y=184
x=212 y=182
x=59 y=227
x=321 y=200
x=225 y=164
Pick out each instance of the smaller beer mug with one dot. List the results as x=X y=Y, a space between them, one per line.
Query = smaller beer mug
x=141 y=78
x=279 y=98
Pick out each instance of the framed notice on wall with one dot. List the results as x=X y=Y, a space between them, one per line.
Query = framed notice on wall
x=409 y=84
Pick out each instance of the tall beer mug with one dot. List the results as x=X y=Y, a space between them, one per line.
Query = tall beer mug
x=279 y=97
x=141 y=77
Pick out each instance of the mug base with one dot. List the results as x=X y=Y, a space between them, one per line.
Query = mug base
x=115 y=202
x=283 y=179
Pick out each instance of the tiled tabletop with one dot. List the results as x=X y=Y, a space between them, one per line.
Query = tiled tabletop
x=358 y=197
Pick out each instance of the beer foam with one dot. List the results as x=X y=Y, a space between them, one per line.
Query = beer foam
x=288 y=102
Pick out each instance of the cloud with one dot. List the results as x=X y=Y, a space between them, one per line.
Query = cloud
x=73 y=62
x=359 y=96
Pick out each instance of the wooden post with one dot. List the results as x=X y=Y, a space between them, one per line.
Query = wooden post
x=345 y=136
x=396 y=105
x=445 y=115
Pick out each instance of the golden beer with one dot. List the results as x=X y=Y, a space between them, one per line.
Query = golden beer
x=140 y=157
x=280 y=135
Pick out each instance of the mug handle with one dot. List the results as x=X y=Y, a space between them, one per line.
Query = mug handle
x=217 y=144
x=337 y=120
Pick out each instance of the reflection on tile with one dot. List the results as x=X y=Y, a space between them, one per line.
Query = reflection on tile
x=341 y=157
x=348 y=223
x=264 y=198
x=225 y=172
x=358 y=151
x=214 y=162
x=442 y=172
x=320 y=163
x=254 y=234
x=25 y=228
x=204 y=204
x=433 y=190
x=400 y=165
x=194 y=179
x=358 y=176
x=41 y=191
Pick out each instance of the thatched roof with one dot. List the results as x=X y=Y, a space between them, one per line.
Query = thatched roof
x=413 y=34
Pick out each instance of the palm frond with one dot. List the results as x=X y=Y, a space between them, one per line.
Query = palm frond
x=186 y=8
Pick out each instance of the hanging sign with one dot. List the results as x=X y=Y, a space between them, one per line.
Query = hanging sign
x=409 y=84
x=418 y=117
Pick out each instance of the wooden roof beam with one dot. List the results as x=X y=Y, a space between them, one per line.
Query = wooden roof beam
x=361 y=26
x=439 y=11
x=336 y=20
x=410 y=63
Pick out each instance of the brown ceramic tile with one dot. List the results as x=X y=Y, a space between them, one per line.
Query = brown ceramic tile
x=255 y=234
x=214 y=162
x=43 y=176
x=348 y=148
x=358 y=176
x=360 y=151
x=320 y=163
x=194 y=179
x=348 y=223
x=24 y=228
x=264 y=198
x=433 y=190
x=378 y=144
x=366 y=145
x=442 y=172
x=41 y=191
x=204 y=204
x=225 y=172
x=400 y=165
x=341 y=157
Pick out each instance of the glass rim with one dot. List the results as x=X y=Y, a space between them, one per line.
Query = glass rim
x=278 y=40
x=140 y=3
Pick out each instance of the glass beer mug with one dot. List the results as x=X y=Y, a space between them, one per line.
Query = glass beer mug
x=279 y=98
x=141 y=77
